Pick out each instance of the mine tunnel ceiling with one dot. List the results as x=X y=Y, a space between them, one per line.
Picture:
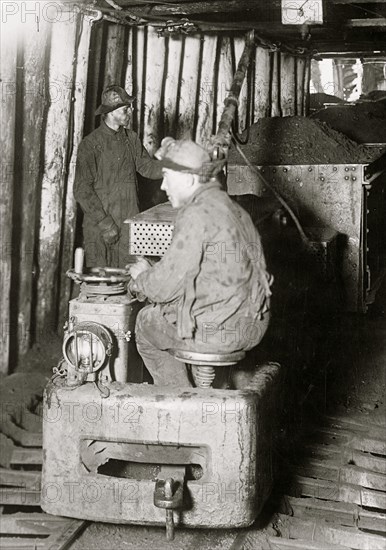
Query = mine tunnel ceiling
x=348 y=25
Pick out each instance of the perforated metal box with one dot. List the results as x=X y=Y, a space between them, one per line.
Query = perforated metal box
x=151 y=232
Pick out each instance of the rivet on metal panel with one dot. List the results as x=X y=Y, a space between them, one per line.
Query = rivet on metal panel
x=353 y=168
x=346 y=169
x=321 y=179
x=335 y=168
x=354 y=178
x=274 y=170
x=285 y=169
x=262 y=170
x=297 y=179
x=368 y=211
x=309 y=169
x=301 y=184
x=346 y=178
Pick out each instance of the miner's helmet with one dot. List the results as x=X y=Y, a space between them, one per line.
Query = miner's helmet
x=113 y=97
x=187 y=156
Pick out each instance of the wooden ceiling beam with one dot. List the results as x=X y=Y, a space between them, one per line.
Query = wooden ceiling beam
x=358 y=1
x=188 y=8
x=256 y=4
x=336 y=48
x=372 y=22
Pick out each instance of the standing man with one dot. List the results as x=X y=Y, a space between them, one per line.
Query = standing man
x=210 y=292
x=106 y=182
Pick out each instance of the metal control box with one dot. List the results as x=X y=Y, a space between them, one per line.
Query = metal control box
x=103 y=456
x=118 y=315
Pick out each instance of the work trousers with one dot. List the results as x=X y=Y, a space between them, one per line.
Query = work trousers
x=155 y=336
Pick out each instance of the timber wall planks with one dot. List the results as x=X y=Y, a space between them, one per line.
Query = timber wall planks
x=56 y=74
x=7 y=140
x=61 y=71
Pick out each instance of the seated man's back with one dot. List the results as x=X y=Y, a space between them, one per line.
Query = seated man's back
x=211 y=289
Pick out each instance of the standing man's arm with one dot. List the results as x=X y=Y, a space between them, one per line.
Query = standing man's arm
x=144 y=164
x=85 y=195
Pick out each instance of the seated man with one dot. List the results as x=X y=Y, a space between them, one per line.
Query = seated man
x=210 y=291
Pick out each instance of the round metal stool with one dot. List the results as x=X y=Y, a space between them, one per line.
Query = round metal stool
x=205 y=363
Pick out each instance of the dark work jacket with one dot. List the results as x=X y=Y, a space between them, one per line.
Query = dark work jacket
x=212 y=281
x=106 y=183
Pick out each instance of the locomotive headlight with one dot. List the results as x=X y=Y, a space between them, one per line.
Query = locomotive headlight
x=87 y=346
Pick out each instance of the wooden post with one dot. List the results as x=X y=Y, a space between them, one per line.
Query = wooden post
x=128 y=70
x=61 y=75
x=139 y=76
x=262 y=76
x=7 y=139
x=115 y=55
x=155 y=55
x=287 y=84
x=172 y=86
x=188 y=91
x=206 y=93
x=239 y=45
x=32 y=112
x=69 y=218
x=300 y=65
x=275 y=87
x=94 y=85
x=306 y=86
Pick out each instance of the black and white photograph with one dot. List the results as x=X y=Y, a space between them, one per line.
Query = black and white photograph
x=193 y=275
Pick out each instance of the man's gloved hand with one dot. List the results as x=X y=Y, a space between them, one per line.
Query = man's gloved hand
x=133 y=290
x=109 y=230
x=138 y=267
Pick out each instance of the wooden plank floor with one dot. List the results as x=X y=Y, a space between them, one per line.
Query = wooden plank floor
x=20 y=486
x=337 y=499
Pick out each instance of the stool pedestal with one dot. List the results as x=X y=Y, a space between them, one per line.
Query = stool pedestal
x=205 y=363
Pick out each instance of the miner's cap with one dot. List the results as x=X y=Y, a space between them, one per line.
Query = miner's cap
x=113 y=97
x=187 y=156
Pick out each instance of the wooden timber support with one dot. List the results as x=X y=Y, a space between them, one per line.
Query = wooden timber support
x=156 y=53
x=188 y=88
x=78 y=115
x=275 y=91
x=29 y=134
x=115 y=49
x=262 y=74
x=188 y=8
x=61 y=72
x=7 y=140
x=172 y=83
